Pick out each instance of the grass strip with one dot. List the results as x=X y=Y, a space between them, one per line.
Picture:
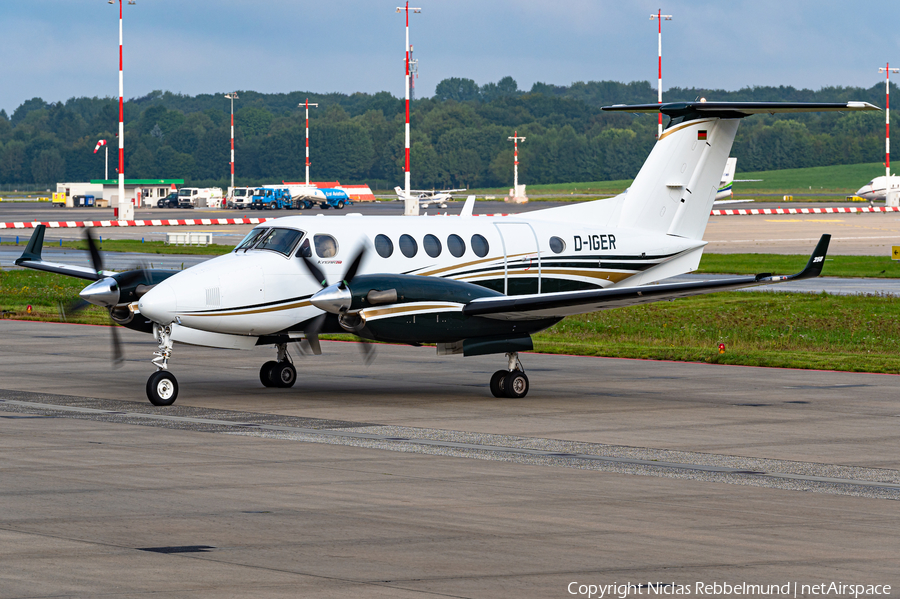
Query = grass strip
x=787 y=330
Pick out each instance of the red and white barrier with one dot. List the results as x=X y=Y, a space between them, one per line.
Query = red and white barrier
x=853 y=210
x=198 y=222
x=163 y=222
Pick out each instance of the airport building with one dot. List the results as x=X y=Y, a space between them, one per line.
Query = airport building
x=143 y=192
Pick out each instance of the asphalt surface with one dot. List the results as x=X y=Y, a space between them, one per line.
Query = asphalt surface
x=407 y=478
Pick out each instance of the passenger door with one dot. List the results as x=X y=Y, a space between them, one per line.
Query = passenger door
x=521 y=258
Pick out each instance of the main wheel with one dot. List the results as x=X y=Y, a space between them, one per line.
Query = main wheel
x=284 y=374
x=340 y=205
x=265 y=373
x=162 y=388
x=498 y=380
x=307 y=204
x=515 y=384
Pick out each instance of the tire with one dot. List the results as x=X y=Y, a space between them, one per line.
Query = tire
x=284 y=375
x=340 y=205
x=273 y=206
x=515 y=384
x=265 y=373
x=498 y=380
x=162 y=388
x=307 y=204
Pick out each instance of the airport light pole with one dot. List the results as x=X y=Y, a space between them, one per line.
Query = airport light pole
x=411 y=205
x=515 y=139
x=307 y=104
x=232 y=96
x=126 y=210
x=887 y=70
x=659 y=18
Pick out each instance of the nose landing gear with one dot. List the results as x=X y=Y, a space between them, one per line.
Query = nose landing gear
x=162 y=387
x=279 y=373
x=511 y=382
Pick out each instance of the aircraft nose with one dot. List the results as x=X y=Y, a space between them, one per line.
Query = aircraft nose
x=862 y=191
x=159 y=304
x=104 y=292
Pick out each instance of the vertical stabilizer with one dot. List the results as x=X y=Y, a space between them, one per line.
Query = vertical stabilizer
x=674 y=190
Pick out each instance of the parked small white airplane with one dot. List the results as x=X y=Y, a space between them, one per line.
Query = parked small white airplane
x=470 y=285
x=877 y=188
x=429 y=196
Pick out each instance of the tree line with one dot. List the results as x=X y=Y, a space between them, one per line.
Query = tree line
x=459 y=136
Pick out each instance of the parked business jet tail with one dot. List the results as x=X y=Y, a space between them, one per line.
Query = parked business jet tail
x=725 y=192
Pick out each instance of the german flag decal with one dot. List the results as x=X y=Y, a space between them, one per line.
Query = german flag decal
x=701 y=135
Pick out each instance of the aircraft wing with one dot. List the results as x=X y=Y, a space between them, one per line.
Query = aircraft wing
x=528 y=307
x=31 y=258
x=739 y=109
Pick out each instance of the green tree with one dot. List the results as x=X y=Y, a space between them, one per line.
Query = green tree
x=457 y=89
x=48 y=167
x=12 y=162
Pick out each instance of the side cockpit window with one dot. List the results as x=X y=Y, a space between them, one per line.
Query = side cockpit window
x=326 y=246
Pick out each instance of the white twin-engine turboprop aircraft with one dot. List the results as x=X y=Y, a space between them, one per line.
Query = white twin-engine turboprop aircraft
x=471 y=285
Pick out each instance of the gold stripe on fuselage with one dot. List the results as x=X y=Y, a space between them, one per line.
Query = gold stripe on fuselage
x=682 y=126
x=245 y=311
x=437 y=271
x=373 y=313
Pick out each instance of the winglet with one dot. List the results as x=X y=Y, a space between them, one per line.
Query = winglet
x=816 y=260
x=813 y=267
x=35 y=244
x=468 y=208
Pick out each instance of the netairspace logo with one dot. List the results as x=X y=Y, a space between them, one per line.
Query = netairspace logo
x=721 y=589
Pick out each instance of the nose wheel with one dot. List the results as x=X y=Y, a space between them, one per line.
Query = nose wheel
x=511 y=383
x=162 y=387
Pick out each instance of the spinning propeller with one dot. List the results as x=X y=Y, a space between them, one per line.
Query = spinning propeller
x=335 y=299
x=105 y=292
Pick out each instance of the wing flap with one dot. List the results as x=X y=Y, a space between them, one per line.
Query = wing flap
x=529 y=307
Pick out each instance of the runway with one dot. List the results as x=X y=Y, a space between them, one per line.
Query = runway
x=407 y=478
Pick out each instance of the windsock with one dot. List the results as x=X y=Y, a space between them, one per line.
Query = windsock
x=99 y=145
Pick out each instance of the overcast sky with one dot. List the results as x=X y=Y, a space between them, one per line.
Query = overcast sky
x=57 y=49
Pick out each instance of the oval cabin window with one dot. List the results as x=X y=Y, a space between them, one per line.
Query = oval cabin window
x=408 y=246
x=480 y=245
x=384 y=246
x=456 y=245
x=432 y=246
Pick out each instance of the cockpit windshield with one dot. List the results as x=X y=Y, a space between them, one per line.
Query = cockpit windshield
x=251 y=238
x=279 y=240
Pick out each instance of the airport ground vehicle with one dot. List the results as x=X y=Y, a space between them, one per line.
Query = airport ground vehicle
x=170 y=201
x=326 y=197
x=199 y=197
x=267 y=198
x=471 y=286
x=239 y=198
x=85 y=201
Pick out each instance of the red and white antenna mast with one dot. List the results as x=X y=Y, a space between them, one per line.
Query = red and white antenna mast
x=887 y=70
x=659 y=17
x=307 y=104
x=515 y=139
x=126 y=209
x=411 y=206
x=232 y=96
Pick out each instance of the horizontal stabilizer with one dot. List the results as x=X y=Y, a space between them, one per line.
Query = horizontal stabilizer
x=739 y=109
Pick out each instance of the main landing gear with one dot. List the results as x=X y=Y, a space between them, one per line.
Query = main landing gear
x=162 y=388
x=511 y=382
x=279 y=373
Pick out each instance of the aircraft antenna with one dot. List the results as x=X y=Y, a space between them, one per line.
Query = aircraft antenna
x=307 y=104
x=411 y=206
x=887 y=70
x=659 y=18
